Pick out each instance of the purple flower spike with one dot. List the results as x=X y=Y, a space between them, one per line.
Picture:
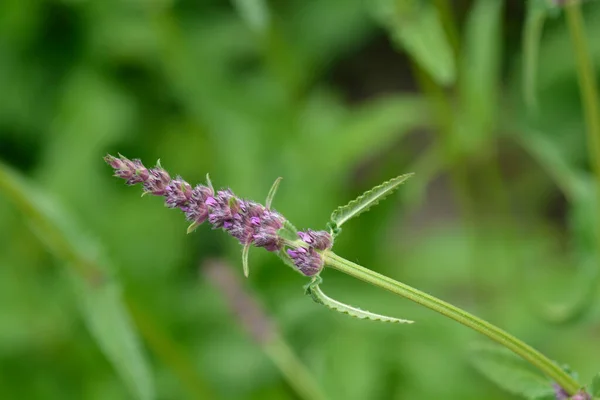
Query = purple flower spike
x=249 y=222
x=308 y=261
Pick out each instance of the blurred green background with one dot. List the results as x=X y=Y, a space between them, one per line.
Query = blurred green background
x=107 y=297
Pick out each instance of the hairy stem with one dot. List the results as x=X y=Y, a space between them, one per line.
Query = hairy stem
x=525 y=351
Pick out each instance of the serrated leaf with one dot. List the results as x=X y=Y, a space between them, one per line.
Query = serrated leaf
x=595 y=386
x=417 y=27
x=99 y=298
x=315 y=292
x=510 y=372
x=368 y=199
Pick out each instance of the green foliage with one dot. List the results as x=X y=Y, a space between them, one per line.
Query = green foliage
x=255 y=13
x=322 y=93
x=367 y=200
x=510 y=372
x=97 y=293
x=417 y=28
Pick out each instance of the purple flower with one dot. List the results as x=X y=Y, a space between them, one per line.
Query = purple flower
x=320 y=240
x=581 y=396
x=559 y=392
x=179 y=193
x=308 y=261
x=157 y=181
x=249 y=222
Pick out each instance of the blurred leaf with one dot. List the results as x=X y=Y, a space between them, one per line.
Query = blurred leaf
x=367 y=200
x=107 y=318
x=510 y=372
x=375 y=125
x=99 y=298
x=481 y=71
x=417 y=27
x=255 y=13
x=595 y=386
x=550 y=157
x=579 y=191
x=532 y=35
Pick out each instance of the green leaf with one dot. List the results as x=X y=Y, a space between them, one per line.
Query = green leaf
x=532 y=34
x=288 y=232
x=510 y=372
x=595 y=386
x=313 y=290
x=367 y=200
x=98 y=296
x=417 y=27
x=371 y=127
x=245 y=252
x=255 y=13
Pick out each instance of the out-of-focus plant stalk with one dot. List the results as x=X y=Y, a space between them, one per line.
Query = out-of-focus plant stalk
x=168 y=351
x=520 y=348
x=589 y=95
x=255 y=321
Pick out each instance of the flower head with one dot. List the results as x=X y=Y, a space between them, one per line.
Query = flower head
x=249 y=222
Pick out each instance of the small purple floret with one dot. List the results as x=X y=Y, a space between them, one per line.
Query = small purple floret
x=308 y=261
x=320 y=240
x=211 y=202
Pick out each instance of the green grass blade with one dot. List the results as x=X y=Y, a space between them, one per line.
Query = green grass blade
x=108 y=320
x=367 y=200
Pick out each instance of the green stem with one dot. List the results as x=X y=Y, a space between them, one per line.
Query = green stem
x=525 y=351
x=292 y=368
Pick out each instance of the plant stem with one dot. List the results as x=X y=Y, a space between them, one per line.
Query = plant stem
x=525 y=351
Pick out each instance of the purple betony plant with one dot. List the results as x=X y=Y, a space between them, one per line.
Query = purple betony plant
x=309 y=252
